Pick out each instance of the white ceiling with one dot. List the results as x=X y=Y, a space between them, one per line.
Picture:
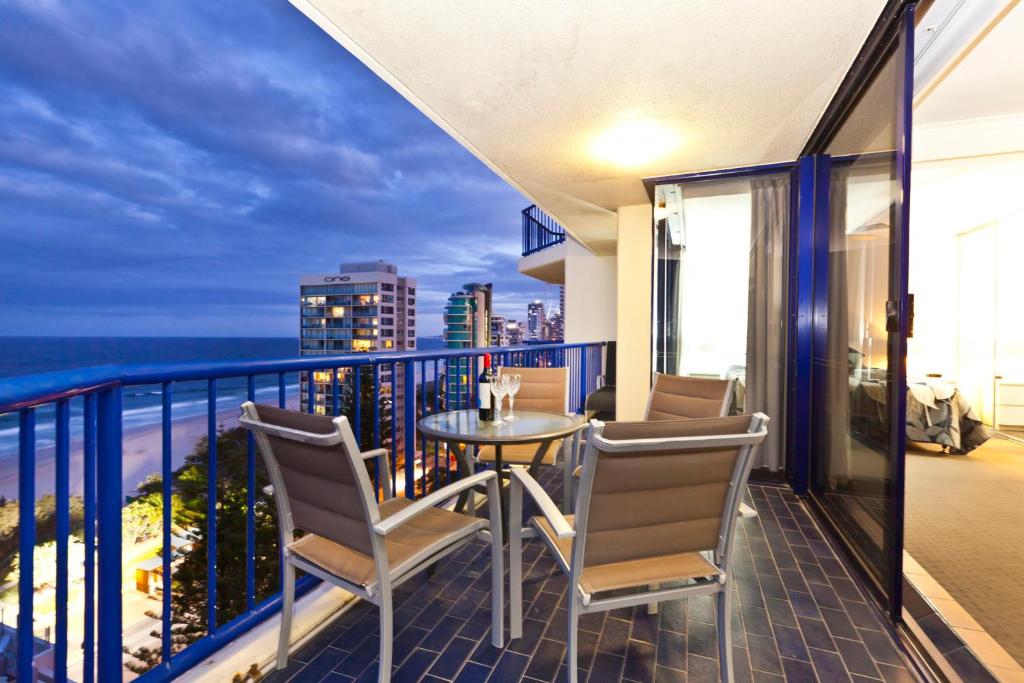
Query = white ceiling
x=988 y=81
x=528 y=86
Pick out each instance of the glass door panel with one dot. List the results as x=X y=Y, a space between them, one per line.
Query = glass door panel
x=858 y=359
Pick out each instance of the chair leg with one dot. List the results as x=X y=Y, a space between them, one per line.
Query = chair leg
x=652 y=607
x=286 y=615
x=497 y=564
x=572 y=636
x=386 y=636
x=567 y=467
x=515 y=559
x=723 y=609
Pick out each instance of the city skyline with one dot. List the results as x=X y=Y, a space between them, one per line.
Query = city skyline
x=191 y=209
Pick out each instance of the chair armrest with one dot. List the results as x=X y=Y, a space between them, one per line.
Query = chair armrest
x=388 y=524
x=375 y=453
x=547 y=506
x=383 y=468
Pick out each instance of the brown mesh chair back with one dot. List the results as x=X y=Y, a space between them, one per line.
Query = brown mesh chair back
x=541 y=388
x=673 y=397
x=650 y=499
x=326 y=486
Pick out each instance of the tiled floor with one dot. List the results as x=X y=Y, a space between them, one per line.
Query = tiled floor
x=798 y=617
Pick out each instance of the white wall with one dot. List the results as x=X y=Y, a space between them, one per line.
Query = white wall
x=633 y=266
x=590 y=295
x=949 y=198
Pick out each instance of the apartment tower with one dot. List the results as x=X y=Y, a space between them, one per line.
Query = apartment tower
x=365 y=307
x=467 y=324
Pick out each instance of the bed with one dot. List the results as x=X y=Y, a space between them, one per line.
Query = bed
x=936 y=411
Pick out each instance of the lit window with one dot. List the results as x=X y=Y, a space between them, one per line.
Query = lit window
x=338 y=311
x=388 y=344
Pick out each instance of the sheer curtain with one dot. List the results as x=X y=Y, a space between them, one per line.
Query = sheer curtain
x=765 y=389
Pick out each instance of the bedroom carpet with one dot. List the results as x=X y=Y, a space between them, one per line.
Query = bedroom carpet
x=964 y=526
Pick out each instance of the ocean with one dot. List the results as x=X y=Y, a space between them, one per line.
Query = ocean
x=142 y=405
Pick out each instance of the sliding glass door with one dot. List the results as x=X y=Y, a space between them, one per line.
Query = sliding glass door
x=862 y=319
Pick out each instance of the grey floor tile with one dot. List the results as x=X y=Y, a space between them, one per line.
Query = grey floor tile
x=796 y=616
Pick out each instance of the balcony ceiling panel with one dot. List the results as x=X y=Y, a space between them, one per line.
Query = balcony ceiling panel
x=574 y=103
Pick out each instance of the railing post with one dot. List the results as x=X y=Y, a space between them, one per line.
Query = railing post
x=409 y=429
x=108 y=495
x=63 y=493
x=583 y=378
x=89 y=513
x=26 y=537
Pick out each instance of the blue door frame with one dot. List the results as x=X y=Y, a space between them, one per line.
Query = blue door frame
x=813 y=224
x=807 y=297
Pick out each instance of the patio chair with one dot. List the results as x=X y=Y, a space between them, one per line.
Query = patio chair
x=673 y=397
x=322 y=486
x=657 y=506
x=540 y=389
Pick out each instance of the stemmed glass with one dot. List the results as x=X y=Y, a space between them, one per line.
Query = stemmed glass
x=513 y=388
x=498 y=390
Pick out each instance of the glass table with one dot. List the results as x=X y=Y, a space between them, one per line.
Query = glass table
x=460 y=428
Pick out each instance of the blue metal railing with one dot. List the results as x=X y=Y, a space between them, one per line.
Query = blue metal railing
x=98 y=396
x=540 y=230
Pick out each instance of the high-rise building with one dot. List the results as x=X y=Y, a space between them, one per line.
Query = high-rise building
x=499 y=331
x=363 y=307
x=535 y=319
x=467 y=324
x=555 y=327
x=561 y=312
x=515 y=332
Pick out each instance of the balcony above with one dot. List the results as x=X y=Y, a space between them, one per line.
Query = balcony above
x=543 y=247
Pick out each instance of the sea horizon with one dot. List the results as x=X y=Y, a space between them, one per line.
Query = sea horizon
x=142 y=405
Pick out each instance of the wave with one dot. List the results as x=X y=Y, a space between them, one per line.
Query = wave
x=132 y=418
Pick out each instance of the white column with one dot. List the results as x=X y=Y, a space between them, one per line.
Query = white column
x=633 y=319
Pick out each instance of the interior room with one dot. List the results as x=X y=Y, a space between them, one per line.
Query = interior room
x=965 y=365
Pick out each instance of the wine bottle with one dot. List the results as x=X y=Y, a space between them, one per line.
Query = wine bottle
x=483 y=391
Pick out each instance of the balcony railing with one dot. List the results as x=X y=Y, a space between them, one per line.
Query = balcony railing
x=540 y=230
x=215 y=547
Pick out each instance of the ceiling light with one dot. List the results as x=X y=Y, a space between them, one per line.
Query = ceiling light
x=634 y=142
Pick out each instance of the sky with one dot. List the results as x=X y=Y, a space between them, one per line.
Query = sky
x=172 y=168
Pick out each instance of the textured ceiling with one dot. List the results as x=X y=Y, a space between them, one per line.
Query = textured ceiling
x=529 y=86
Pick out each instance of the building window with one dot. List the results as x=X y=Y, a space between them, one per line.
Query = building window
x=387 y=287
x=411 y=312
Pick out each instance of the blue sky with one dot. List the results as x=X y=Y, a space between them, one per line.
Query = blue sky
x=171 y=168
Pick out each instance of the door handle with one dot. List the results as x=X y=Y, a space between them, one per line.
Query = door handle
x=892 y=315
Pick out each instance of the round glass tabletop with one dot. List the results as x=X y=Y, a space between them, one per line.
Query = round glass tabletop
x=527 y=427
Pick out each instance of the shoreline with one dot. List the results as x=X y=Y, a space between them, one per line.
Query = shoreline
x=142 y=451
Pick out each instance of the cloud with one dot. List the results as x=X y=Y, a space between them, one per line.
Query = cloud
x=173 y=168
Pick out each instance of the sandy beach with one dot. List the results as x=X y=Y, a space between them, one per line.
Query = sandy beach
x=141 y=454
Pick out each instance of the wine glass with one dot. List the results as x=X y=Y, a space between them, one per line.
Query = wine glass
x=513 y=388
x=498 y=391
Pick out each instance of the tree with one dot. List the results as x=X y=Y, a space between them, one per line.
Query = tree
x=189 y=582
x=46 y=526
x=44 y=563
